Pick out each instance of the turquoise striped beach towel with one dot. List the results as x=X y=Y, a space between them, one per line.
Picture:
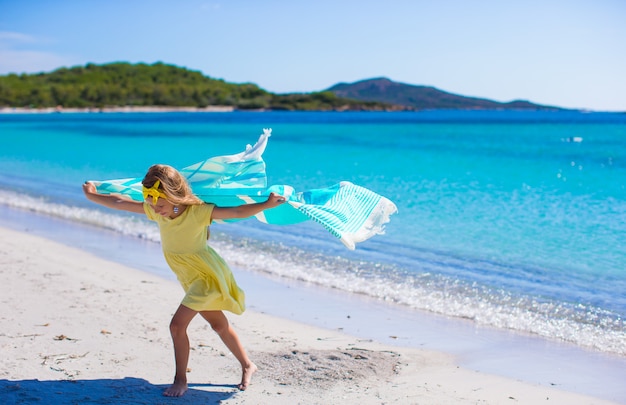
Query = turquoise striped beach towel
x=349 y=212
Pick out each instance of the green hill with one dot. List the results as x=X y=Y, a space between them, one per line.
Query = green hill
x=422 y=97
x=141 y=85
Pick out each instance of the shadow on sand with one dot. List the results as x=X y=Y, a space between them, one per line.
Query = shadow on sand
x=126 y=390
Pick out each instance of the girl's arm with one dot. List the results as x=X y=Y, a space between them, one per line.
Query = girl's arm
x=247 y=210
x=111 y=201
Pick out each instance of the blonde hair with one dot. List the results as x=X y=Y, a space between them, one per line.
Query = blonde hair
x=173 y=184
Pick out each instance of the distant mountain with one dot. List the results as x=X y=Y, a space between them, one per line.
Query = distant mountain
x=384 y=90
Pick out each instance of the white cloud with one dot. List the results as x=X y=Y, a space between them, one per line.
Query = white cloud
x=12 y=61
x=15 y=59
x=8 y=37
x=211 y=6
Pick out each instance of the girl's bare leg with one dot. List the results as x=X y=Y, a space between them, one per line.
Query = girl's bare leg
x=220 y=324
x=178 y=329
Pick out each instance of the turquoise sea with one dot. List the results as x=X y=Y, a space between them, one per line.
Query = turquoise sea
x=512 y=220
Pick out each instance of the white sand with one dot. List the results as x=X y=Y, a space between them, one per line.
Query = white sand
x=125 y=109
x=79 y=329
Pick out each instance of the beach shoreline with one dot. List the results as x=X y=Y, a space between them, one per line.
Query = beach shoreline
x=103 y=326
x=114 y=109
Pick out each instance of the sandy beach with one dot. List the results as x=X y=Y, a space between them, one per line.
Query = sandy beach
x=113 y=109
x=80 y=329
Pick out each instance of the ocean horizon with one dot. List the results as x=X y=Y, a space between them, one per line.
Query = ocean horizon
x=512 y=220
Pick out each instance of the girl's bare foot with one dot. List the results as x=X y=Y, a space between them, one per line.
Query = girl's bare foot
x=177 y=389
x=246 y=376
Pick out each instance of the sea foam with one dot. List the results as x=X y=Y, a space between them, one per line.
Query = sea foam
x=427 y=290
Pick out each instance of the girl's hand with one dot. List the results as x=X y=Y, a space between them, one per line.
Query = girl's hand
x=89 y=188
x=275 y=200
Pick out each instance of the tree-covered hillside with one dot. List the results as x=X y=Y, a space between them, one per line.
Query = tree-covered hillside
x=159 y=84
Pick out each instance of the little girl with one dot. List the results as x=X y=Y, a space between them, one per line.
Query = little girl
x=207 y=280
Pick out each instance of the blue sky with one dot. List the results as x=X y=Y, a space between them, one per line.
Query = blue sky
x=568 y=53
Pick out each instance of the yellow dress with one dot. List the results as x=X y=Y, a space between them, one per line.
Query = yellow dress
x=207 y=280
